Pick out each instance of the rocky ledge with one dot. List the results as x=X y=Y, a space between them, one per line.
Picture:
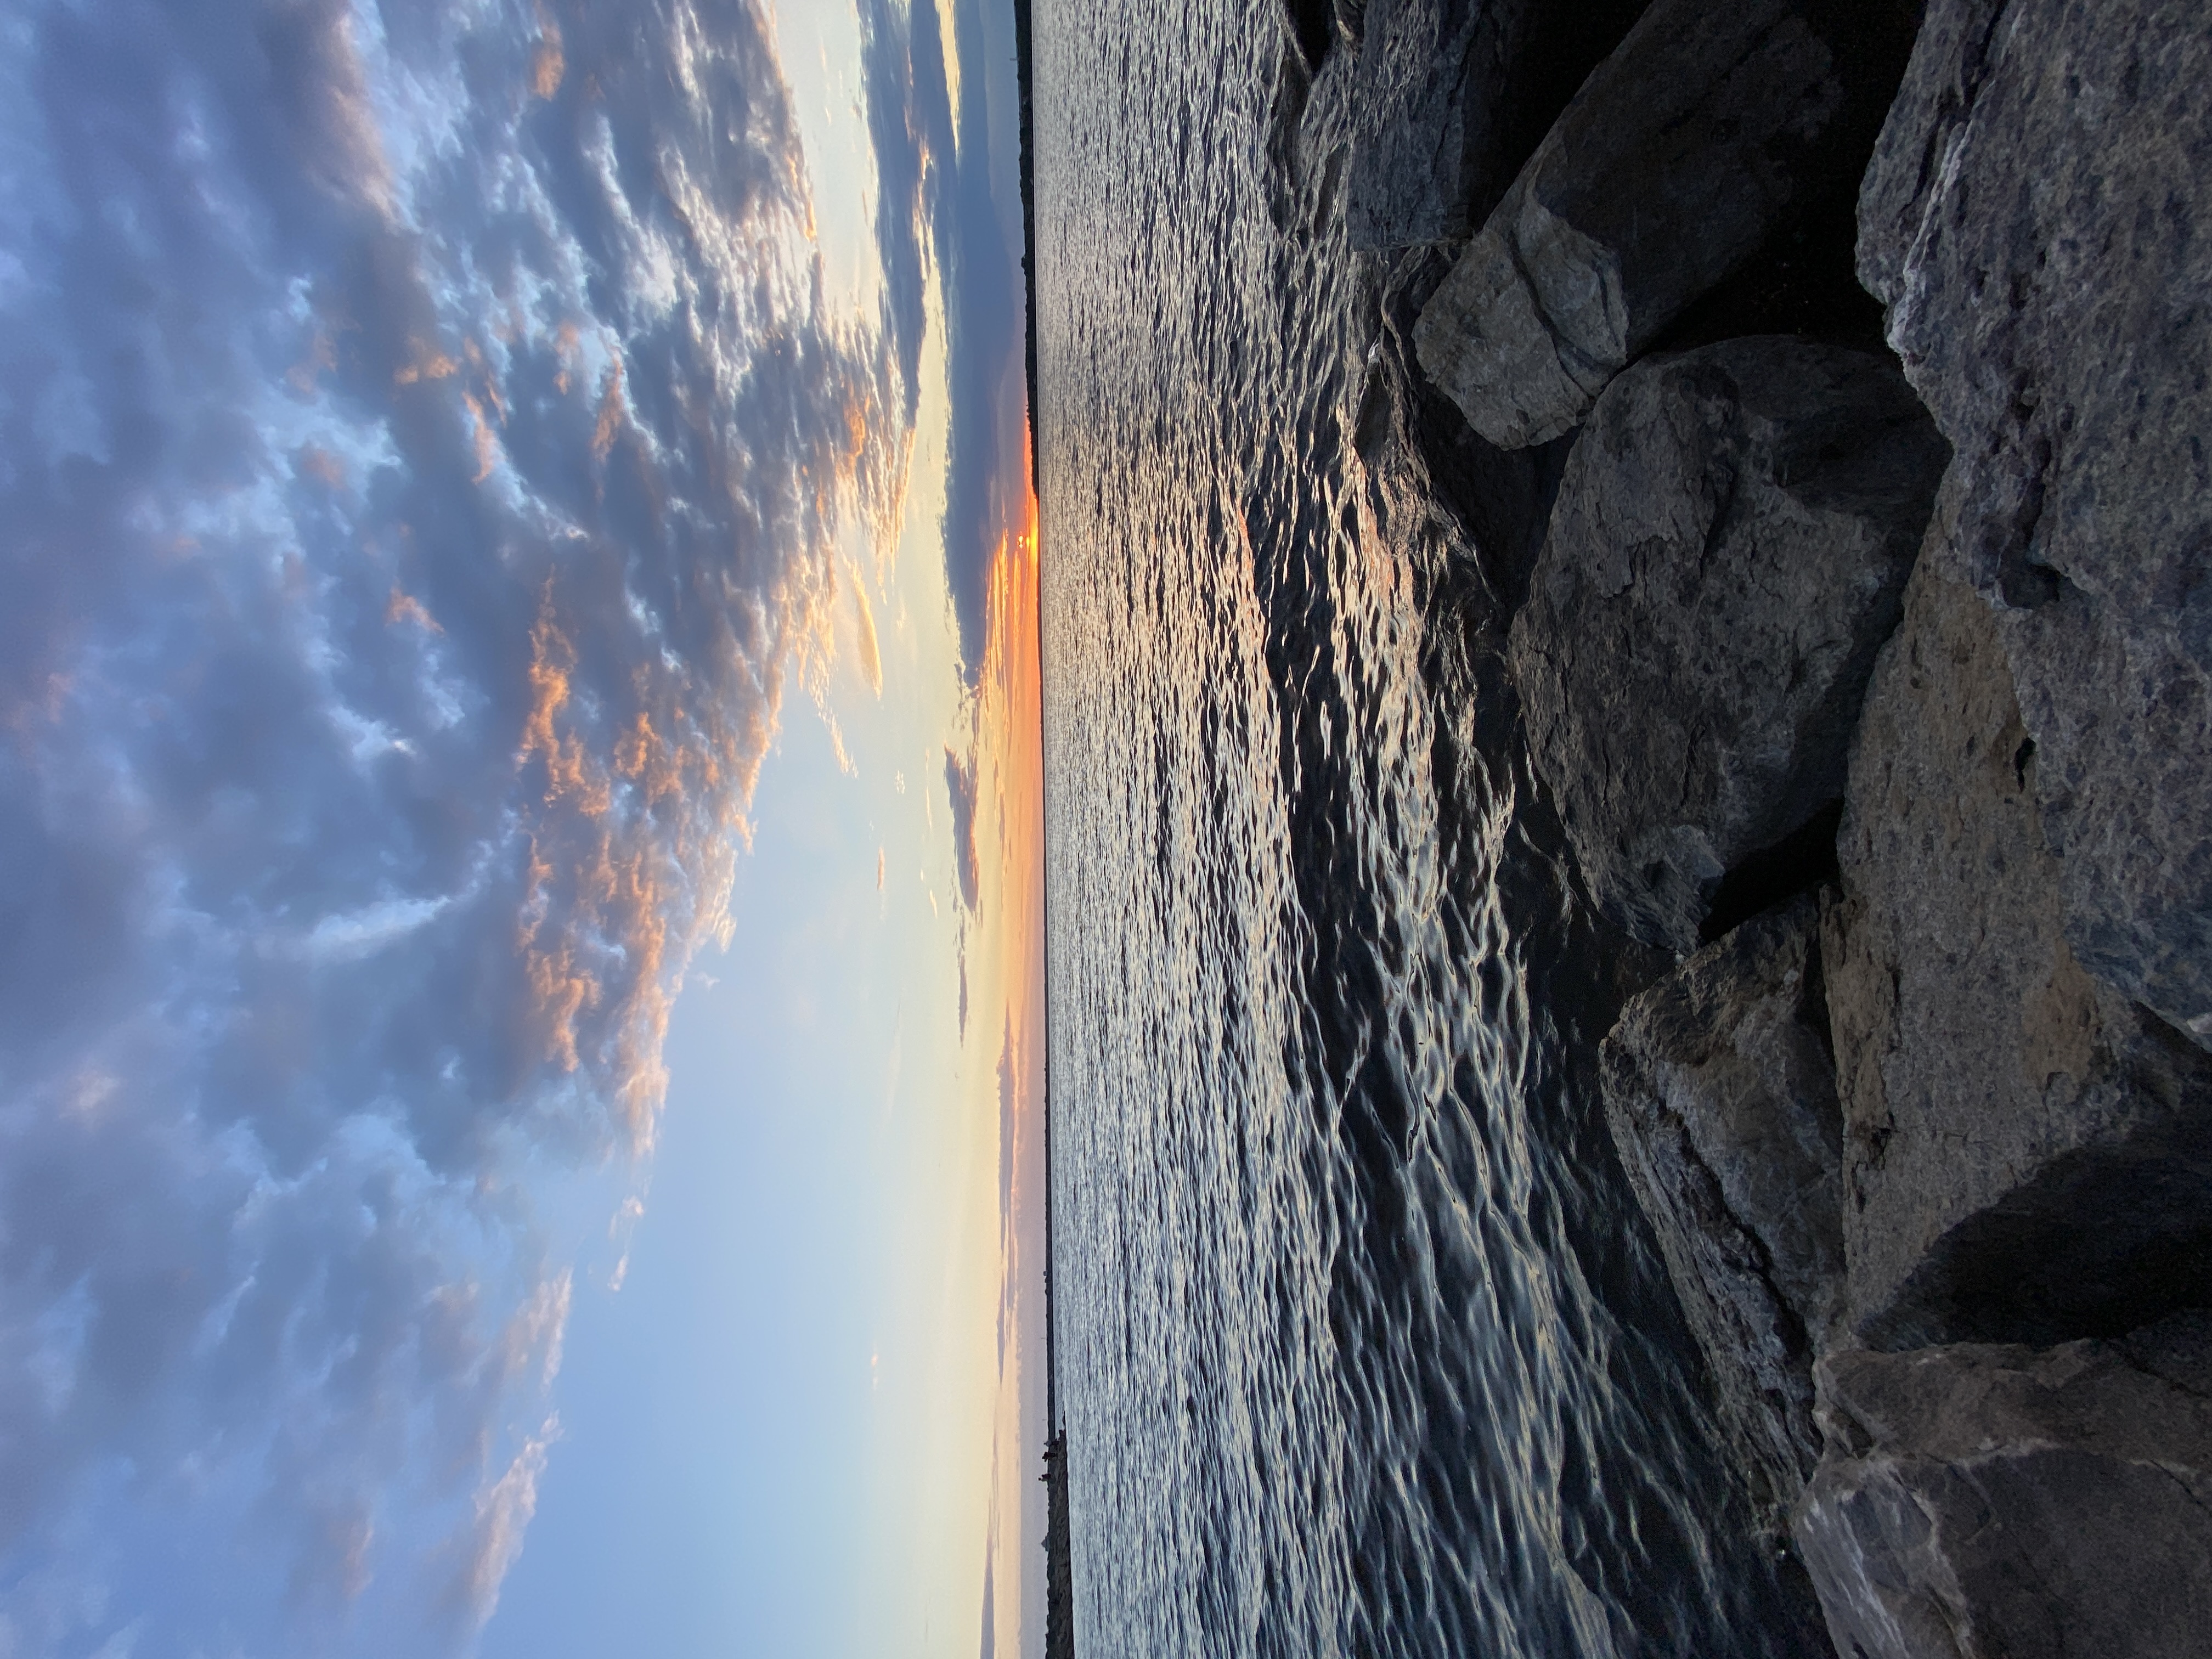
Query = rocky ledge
x=1866 y=656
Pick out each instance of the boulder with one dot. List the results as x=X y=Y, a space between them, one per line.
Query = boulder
x=1681 y=154
x=1449 y=96
x=1721 y=1094
x=1428 y=91
x=2031 y=221
x=2027 y=1154
x=1727 y=553
x=2011 y=1503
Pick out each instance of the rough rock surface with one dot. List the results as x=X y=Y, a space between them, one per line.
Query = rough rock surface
x=1679 y=156
x=1431 y=87
x=2035 y=220
x=1726 y=554
x=2027 y=1154
x=1721 y=1094
x=2007 y=1503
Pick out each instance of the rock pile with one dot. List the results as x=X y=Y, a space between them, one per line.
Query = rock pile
x=1876 y=687
x=1683 y=152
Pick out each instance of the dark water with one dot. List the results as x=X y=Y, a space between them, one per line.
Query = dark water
x=1362 y=1349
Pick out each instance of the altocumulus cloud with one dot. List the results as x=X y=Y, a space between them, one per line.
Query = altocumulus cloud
x=422 y=444
x=935 y=211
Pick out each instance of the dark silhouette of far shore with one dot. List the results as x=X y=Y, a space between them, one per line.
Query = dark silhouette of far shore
x=1059 y=1574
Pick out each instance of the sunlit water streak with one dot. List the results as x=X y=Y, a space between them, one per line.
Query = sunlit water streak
x=1360 y=1351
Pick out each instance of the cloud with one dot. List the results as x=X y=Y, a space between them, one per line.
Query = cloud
x=960 y=786
x=318 y=89
x=909 y=120
x=503 y=1514
x=423 y=447
x=1009 y=1092
x=871 y=659
x=935 y=210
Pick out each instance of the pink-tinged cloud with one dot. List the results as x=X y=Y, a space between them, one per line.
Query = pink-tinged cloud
x=400 y=611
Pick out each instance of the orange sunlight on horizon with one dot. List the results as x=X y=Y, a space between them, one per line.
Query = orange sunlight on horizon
x=1009 y=719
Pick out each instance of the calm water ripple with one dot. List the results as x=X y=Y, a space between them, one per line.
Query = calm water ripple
x=1360 y=1353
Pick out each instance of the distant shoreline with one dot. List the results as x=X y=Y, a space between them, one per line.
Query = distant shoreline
x=1059 y=1586
x=1022 y=51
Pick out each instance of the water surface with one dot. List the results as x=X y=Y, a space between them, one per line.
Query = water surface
x=1362 y=1349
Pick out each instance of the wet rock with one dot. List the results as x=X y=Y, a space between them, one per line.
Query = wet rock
x=1679 y=156
x=1721 y=1095
x=2034 y=220
x=1728 y=551
x=2008 y=1502
x=1430 y=91
x=2028 y=1153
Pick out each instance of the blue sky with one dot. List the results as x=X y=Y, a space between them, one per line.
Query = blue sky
x=509 y=514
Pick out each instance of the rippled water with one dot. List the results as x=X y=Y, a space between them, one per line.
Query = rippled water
x=1362 y=1349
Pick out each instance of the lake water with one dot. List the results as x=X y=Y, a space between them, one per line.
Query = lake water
x=1362 y=1347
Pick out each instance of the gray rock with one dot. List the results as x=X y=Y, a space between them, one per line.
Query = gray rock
x=1727 y=553
x=1680 y=152
x=1429 y=90
x=2008 y=1502
x=1721 y=1095
x=2027 y=1154
x=2032 y=221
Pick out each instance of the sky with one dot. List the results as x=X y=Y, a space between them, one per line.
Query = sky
x=520 y=1013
